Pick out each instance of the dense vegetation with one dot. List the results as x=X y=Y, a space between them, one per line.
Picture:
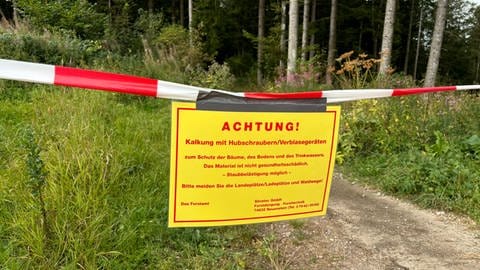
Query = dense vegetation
x=228 y=31
x=84 y=175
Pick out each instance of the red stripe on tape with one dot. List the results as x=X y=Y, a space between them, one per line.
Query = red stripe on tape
x=89 y=79
x=297 y=95
x=412 y=91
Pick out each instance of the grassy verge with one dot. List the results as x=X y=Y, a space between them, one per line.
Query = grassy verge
x=84 y=184
x=84 y=176
x=425 y=148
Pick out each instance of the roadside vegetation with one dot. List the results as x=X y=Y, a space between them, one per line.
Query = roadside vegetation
x=425 y=148
x=84 y=175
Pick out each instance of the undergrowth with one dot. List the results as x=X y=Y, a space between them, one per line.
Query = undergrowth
x=84 y=184
x=84 y=175
x=425 y=148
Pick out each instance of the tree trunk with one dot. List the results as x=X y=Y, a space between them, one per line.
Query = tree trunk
x=477 y=73
x=283 y=30
x=306 y=16
x=15 y=12
x=110 y=23
x=312 y=35
x=332 y=43
x=419 y=40
x=410 y=26
x=190 y=15
x=387 y=39
x=261 y=26
x=292 y=41
x=375 y=26
x=436 y=46
x=477 y=70
x=360 y=37
x=173 y=11
x=182 y=13
x=150 y=6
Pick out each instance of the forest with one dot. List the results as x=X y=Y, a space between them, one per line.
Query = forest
x=84 y=174
x=234 y=33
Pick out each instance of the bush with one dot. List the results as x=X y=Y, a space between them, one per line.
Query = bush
x=79 y=17
x=423 y=147
x=49 y=48
x=217 y=76
x=177 y=55
x=176 y=44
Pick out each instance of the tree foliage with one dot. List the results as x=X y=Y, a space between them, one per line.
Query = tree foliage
x=226 y=29
x=79 y=17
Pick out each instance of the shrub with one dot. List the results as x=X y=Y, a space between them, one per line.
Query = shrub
x=49 y=47
x=354 y=73
x=216 y=76
x=79 y=17
x=422 y=147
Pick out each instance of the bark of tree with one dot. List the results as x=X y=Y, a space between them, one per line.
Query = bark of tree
x=436 y=46
x=283 y=30
x=261 y=26
x=387 y=39
x=150 y=6
x=477 y=71
x=332 y=42
x=410 y=26
x=419 y=40
x=360 y=37
x=173 y=11
x=182 y=13
x=312 y=35
x=292 y=41
x=306 y=19
x=15 y=12
x=376 y=26
x=190 y=15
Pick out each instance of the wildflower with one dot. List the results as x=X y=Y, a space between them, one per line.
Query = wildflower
x=331 y=69
x=367 y=64
x=346 y=55
x=390 y=70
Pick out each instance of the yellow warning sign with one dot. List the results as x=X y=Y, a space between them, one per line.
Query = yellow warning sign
x=231 y=168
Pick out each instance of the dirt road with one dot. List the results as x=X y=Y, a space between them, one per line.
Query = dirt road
x=364 y=229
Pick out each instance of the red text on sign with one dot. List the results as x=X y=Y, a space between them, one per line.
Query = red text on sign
x=260 y=126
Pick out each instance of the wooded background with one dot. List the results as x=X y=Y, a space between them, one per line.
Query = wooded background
x=251 y=35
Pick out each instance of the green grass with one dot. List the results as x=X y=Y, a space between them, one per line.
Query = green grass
x=106 y=165
x=84 y=176
x=424 y=148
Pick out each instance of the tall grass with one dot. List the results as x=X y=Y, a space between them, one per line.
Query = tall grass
x=426 y=148
x=105 y=165
x=84 y=175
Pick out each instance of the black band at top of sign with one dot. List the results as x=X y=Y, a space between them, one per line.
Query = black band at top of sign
x=216 y=101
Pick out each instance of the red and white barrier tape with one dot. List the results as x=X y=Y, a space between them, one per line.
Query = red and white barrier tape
x=89 y=79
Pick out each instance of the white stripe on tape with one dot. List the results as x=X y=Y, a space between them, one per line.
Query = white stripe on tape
x=468 y=87
x=178 y=91
x=170 y=90
x=352 y=94
x=29 y=72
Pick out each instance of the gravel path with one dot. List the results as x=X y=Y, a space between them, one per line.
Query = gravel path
x=364 y=229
